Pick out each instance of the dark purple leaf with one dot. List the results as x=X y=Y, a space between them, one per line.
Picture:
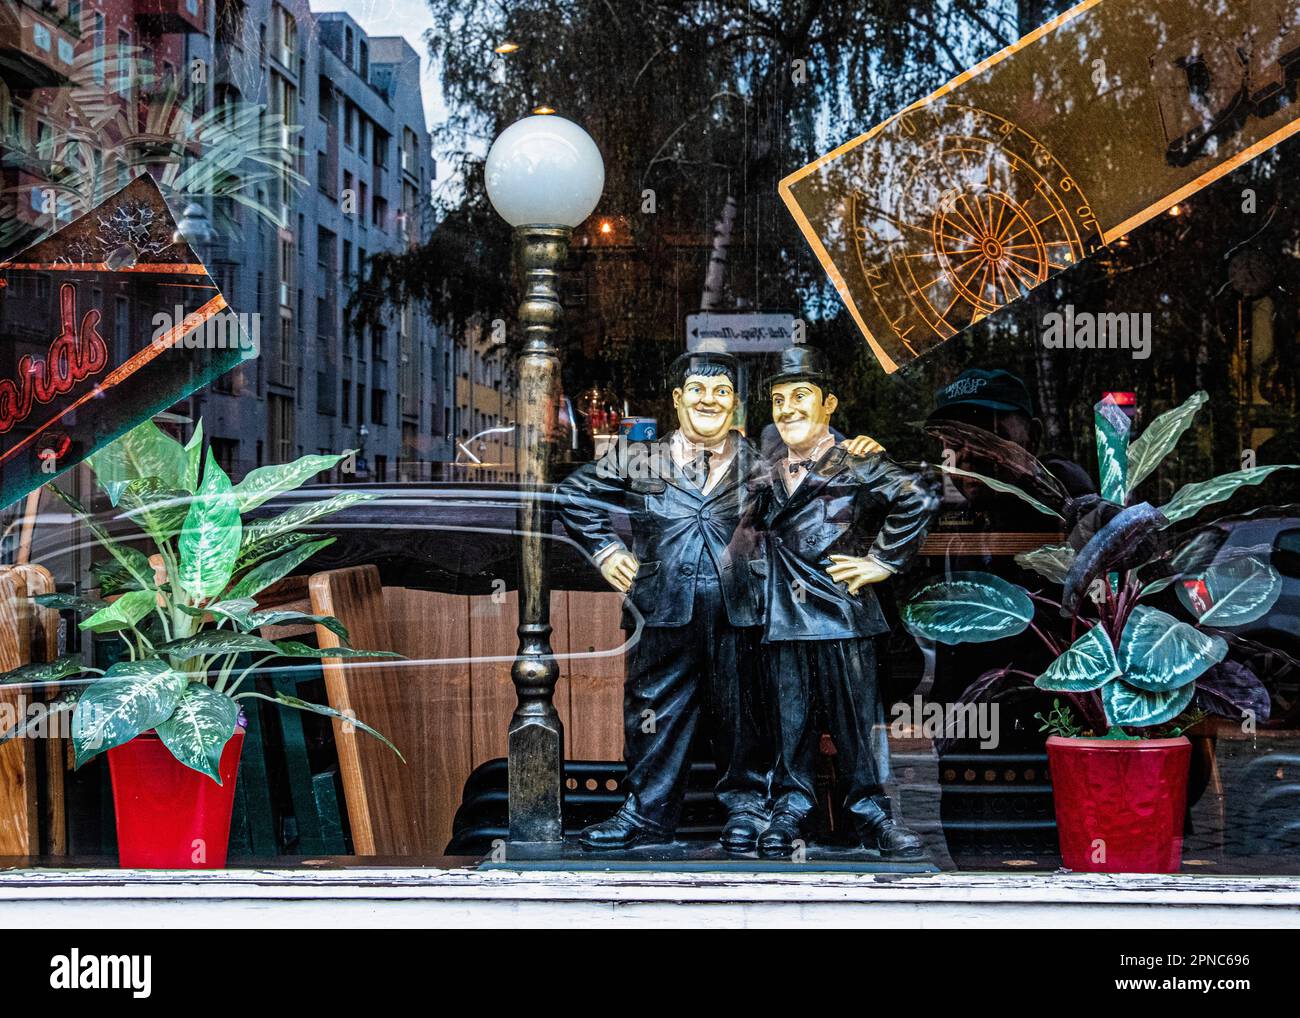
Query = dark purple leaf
x=1231 y=689
x=1126 y=541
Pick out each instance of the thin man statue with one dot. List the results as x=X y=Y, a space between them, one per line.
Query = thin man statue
x=836 y=524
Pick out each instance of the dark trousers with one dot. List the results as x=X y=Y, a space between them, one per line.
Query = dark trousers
x=830 y=683
x=674 y=674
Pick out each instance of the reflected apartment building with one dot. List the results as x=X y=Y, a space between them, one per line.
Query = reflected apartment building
x=401 y=391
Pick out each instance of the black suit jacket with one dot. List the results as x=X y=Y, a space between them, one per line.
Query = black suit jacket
x=673 y=524
x=846 y=505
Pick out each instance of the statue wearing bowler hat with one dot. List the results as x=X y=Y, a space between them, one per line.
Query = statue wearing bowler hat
x=835 y=524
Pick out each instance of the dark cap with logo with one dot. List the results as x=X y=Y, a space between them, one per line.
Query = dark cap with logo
x=800 y=363
x=994 y=390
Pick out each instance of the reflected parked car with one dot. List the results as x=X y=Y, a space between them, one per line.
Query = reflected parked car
x=1273 y=647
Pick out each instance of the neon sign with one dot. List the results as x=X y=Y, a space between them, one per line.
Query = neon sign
x=100 y=375
x=77 y=353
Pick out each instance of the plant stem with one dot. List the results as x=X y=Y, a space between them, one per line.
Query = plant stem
x=1052 y=645
x=239 y=679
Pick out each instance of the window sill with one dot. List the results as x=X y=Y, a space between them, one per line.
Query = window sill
x=458 y=892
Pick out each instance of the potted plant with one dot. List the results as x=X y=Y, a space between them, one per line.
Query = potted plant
x=1128 y=678
x=168 y=712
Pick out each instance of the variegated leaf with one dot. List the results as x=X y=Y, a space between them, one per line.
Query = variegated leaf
x=293 y=648
x=1158 y=653
x=1112 y=427
x=199 y=728
x=123 y=613
x=42 y=673
x=250 y=555
x=1129 y=706
x=262 y=576
x=1240 y=590
x=159 y=510
x=289 y=617
x=37 y=724
x=1051 y=560
x=261 y=531
x=1005 y=489
x=292 y=701
x=210 y=540
x=131 y=698
x=236 y=609
x=1159 y=438
x=70 y=602
x=969 y=607
x=144 y=451
x=217 y=641
x=265 y=483
x=1087 y=664
x=1190 y=499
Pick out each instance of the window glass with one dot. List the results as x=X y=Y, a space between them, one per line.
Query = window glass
x=982 y=464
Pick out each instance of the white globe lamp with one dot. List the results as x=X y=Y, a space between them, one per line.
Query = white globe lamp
x=544 y=171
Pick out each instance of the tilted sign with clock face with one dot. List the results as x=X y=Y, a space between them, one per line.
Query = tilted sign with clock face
x=1051 y=149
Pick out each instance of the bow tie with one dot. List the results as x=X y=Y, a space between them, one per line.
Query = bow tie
x=794 y=466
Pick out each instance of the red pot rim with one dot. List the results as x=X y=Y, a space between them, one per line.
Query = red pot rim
x=1117 y=744
x=153 y=734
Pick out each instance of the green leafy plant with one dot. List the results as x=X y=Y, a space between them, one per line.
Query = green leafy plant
x=189 y=627
x=1122 y=667
x=1060 y=721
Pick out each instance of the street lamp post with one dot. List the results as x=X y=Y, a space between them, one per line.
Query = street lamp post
x=544 y=176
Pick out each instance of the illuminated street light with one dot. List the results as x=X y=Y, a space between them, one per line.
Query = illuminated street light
x=544 y=176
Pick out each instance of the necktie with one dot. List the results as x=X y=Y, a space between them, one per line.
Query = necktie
x=700 y=469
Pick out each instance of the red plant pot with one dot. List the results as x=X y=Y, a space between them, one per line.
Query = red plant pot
x=1120 y=804
x=170 y=816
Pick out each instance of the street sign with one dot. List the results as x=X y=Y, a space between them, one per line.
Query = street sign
x=759 y=332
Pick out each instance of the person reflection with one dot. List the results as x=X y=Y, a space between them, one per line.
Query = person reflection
x=998 y=402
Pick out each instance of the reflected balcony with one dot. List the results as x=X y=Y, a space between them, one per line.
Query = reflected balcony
x=36 y=51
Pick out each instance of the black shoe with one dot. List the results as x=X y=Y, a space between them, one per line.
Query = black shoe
x=740 y=832
x=779 y=838
x=891 y=839
x=621 y=831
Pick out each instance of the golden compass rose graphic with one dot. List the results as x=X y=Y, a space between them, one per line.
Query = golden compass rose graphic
x=970 y=212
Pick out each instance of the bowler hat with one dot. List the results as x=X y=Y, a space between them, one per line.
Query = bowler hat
x=693 y=360
x=800 y=363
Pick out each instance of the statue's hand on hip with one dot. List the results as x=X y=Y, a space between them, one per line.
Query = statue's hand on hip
x=619 y=570
x=855 y=572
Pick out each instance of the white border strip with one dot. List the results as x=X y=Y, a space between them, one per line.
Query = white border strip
x=414 y=898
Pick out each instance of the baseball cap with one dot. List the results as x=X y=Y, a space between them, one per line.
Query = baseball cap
x=995 y=390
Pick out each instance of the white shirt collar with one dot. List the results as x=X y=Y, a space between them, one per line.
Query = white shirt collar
x=691 y=450
x=793 y=478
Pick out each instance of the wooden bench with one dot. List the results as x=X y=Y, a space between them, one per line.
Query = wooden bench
x=33 y=819
x=448 y=706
